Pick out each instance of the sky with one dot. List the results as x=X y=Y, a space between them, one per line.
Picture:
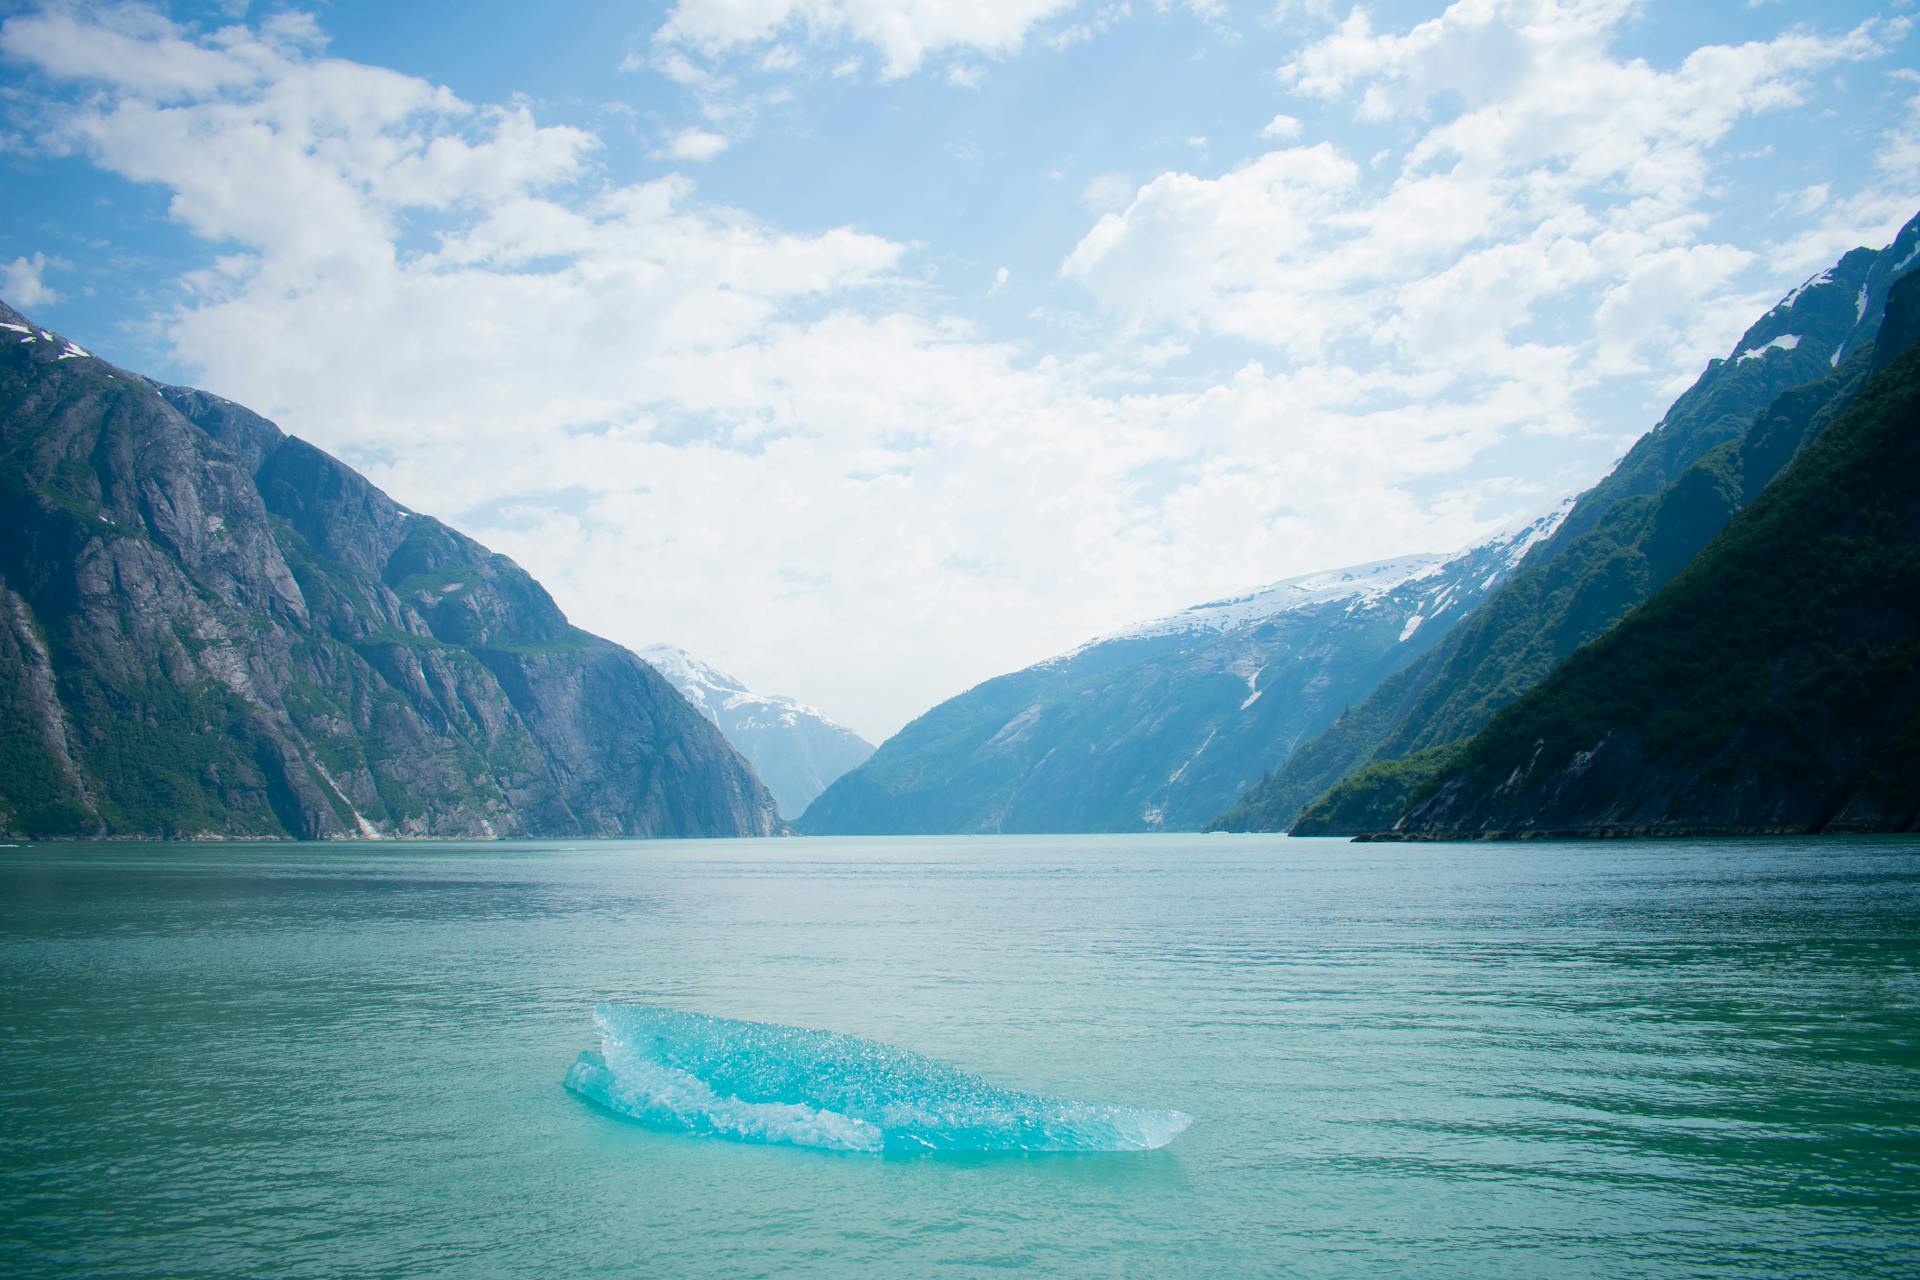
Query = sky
x=871 y=349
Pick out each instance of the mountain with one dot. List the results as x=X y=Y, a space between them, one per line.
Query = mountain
x=1159 y=726
x=208 y=627
x=1623 y=539
x=1772 y=686
x=795 y=749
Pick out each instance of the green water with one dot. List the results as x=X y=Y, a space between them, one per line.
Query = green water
x=1687 y=1059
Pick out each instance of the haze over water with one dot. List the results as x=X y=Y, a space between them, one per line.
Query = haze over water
x=1672 y=1059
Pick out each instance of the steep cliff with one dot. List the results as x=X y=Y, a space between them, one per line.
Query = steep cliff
x=208 y=627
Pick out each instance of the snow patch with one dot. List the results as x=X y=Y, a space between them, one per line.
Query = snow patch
x=1814 y=282
x=1413 y=625
x=73 y=350
x=1786 y=342
x=17 y=328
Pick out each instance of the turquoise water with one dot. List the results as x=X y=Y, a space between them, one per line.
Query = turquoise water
x=1569 y=1060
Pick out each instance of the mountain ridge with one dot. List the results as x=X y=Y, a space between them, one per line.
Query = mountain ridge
x=1773 y=686
x=1594 y=568
x=1155 y=726
x=211 y=628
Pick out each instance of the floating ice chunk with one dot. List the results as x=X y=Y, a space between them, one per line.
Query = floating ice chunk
x=762 y=1083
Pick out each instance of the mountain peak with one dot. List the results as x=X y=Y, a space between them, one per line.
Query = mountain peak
x=796 y=749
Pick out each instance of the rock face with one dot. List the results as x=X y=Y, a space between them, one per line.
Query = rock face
x=1160 y=726
x=1621 y=542
x=208 y=627
x=795 y=749
x=1774 y=685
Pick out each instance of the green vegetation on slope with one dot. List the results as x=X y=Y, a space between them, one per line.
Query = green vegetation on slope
x=1639 y=546
x=1775 y=683
x=1717 y=447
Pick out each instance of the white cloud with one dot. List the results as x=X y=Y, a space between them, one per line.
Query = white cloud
x=777 y=449
x=1871 y=215
x=23 y=282
x=903 y=33
x=963 y=75
x=695 y=144
x=1282 y=128
x=1563 y=170
x=695 y=425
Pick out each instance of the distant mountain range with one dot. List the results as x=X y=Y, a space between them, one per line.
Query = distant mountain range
x=1160 y=726
x=208 y=627
x=794 y=748
x=1722 y=445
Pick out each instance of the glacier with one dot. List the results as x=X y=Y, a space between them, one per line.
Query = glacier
x=763 y=1083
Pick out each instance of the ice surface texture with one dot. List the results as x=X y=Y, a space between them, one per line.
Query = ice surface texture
x=787 y=1086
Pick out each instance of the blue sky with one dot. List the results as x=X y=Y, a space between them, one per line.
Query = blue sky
x=872 y=349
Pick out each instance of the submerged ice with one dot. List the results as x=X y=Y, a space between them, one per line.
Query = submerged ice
x=759 y=1082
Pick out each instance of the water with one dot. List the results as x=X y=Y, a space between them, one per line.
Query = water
x=1696 y=1059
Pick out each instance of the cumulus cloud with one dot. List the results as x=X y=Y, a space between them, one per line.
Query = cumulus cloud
x=1559 y=169
x=692 y=423
x=782 y=449
x=23 y=282
x=695 y=144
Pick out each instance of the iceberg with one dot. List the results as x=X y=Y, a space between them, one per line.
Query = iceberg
x=762 y=1083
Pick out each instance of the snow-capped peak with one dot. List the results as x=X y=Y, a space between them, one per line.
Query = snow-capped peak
x=1489 y=561
x=715 y=691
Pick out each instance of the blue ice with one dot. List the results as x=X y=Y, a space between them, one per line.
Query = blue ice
x=763 y=1083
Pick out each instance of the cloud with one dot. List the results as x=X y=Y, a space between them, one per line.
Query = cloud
x=785 y=449
x=695 y=144
x=902 y=33
x=1558 y=170
x=1107 y=192
x=1282 y=128
x=23 y=282
x=1872 y=214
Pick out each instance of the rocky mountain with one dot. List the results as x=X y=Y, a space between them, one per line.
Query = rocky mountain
x=1772 y=686
x=1159 y=726
x=208 y=627
x=795 y=749
x=1624 y=539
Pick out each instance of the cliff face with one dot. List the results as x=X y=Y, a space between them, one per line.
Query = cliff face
x=1774 y=685
x=209 y=627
